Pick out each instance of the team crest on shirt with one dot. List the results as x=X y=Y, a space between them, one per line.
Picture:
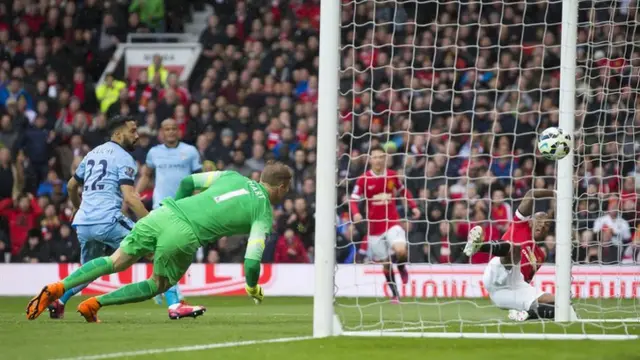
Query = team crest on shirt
x=530 y=254
x=390 y=184
x=129 y=171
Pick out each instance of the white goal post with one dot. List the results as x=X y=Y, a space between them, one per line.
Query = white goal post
x=614 y=318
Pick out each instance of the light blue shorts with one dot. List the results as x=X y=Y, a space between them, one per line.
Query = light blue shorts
x=101 y=239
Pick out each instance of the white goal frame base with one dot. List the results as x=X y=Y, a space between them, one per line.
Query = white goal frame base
x=338 y=331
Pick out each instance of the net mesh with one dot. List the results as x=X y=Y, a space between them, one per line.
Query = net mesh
x=456 y=92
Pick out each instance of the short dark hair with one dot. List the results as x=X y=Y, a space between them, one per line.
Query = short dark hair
x=377 y=148
x=116 y=122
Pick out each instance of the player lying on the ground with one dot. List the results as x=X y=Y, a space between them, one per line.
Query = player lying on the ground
x=507 y=277
x=230 y=204
x=386 y=239
x=106 y=175
x=171 y=162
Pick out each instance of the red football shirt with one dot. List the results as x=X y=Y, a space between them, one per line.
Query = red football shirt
x=380 y=194
x=531 y=255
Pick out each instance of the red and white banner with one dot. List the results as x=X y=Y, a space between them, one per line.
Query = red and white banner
x=451 y=281
x=174 y=59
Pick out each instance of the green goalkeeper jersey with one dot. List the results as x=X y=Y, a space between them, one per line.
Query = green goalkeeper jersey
x=229 y=204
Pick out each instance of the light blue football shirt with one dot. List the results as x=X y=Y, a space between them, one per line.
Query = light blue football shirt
x=101 y=173
x=171 y=165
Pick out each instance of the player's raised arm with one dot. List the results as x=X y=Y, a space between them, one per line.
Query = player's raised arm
x=260 y=229
x=526 y=206
x=199 y=181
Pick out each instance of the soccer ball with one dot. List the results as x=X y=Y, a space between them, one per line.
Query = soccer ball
x=554 y=144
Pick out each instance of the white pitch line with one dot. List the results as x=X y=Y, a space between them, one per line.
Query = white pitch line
x=185 y=348
x=265 y=315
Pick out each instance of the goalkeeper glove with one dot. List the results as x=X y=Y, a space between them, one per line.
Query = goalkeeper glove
x=256 y=293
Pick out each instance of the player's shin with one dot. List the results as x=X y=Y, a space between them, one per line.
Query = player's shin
x=496 y=248
x=71 y=292
x=400 y=262
x=391 y=282
x=131 y=293
x=89 y=272
x=172 y=296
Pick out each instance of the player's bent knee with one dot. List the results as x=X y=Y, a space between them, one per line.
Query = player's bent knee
x=546 y=298
x=122 y=260
x=400 y=249
x=162 y=283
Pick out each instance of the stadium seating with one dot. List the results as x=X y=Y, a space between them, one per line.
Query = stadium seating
x=252 y=97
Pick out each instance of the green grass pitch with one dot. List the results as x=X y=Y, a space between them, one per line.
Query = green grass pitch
x=145 y=326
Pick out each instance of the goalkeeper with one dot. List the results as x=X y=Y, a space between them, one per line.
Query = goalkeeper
x=229 y=204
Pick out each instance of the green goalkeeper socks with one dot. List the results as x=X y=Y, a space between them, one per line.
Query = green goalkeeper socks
x=89 y=272
x=131 y=293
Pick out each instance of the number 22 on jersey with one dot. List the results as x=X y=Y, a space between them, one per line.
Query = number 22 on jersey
x=95 y=185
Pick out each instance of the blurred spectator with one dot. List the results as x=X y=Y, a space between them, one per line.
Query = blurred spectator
x=151 y=13
x=290 y=249
x=52 y=186
x=11 y=176
x=238 y=164
x=632 y=253
x=65 y=247
x=22 y=213
x=109 y=92
x=13 y=91
x=157 y=69
x=614 y=233
x=35 y=249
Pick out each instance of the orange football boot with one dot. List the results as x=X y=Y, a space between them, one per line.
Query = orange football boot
x=47 y=296
x=89 y=309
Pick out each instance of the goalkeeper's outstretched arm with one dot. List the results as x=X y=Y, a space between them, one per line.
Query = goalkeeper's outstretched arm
x=260 y=229
x=199 y=181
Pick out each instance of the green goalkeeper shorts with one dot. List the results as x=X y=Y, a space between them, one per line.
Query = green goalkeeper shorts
x=171 y=240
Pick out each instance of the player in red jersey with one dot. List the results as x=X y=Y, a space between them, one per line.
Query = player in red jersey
x=387 y=240
x=518 y=256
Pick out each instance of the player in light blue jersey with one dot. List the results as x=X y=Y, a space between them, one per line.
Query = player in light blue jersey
x=106 y=176
x=171 y=162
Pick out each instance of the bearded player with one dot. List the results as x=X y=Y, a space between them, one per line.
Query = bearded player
x=518 y=256
x=387 y=240
x=228 y=204
x=106 y=176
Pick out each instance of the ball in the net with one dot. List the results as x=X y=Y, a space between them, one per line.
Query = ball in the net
x=554 y=143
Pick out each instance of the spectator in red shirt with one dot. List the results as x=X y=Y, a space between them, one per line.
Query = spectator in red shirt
x=22 y=214
x=290 y=249
x=500 y=211
x=172 y=83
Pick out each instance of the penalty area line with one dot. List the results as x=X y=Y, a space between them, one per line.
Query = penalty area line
x=185 y=348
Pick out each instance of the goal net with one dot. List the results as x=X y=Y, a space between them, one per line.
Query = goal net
x=456 y=93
